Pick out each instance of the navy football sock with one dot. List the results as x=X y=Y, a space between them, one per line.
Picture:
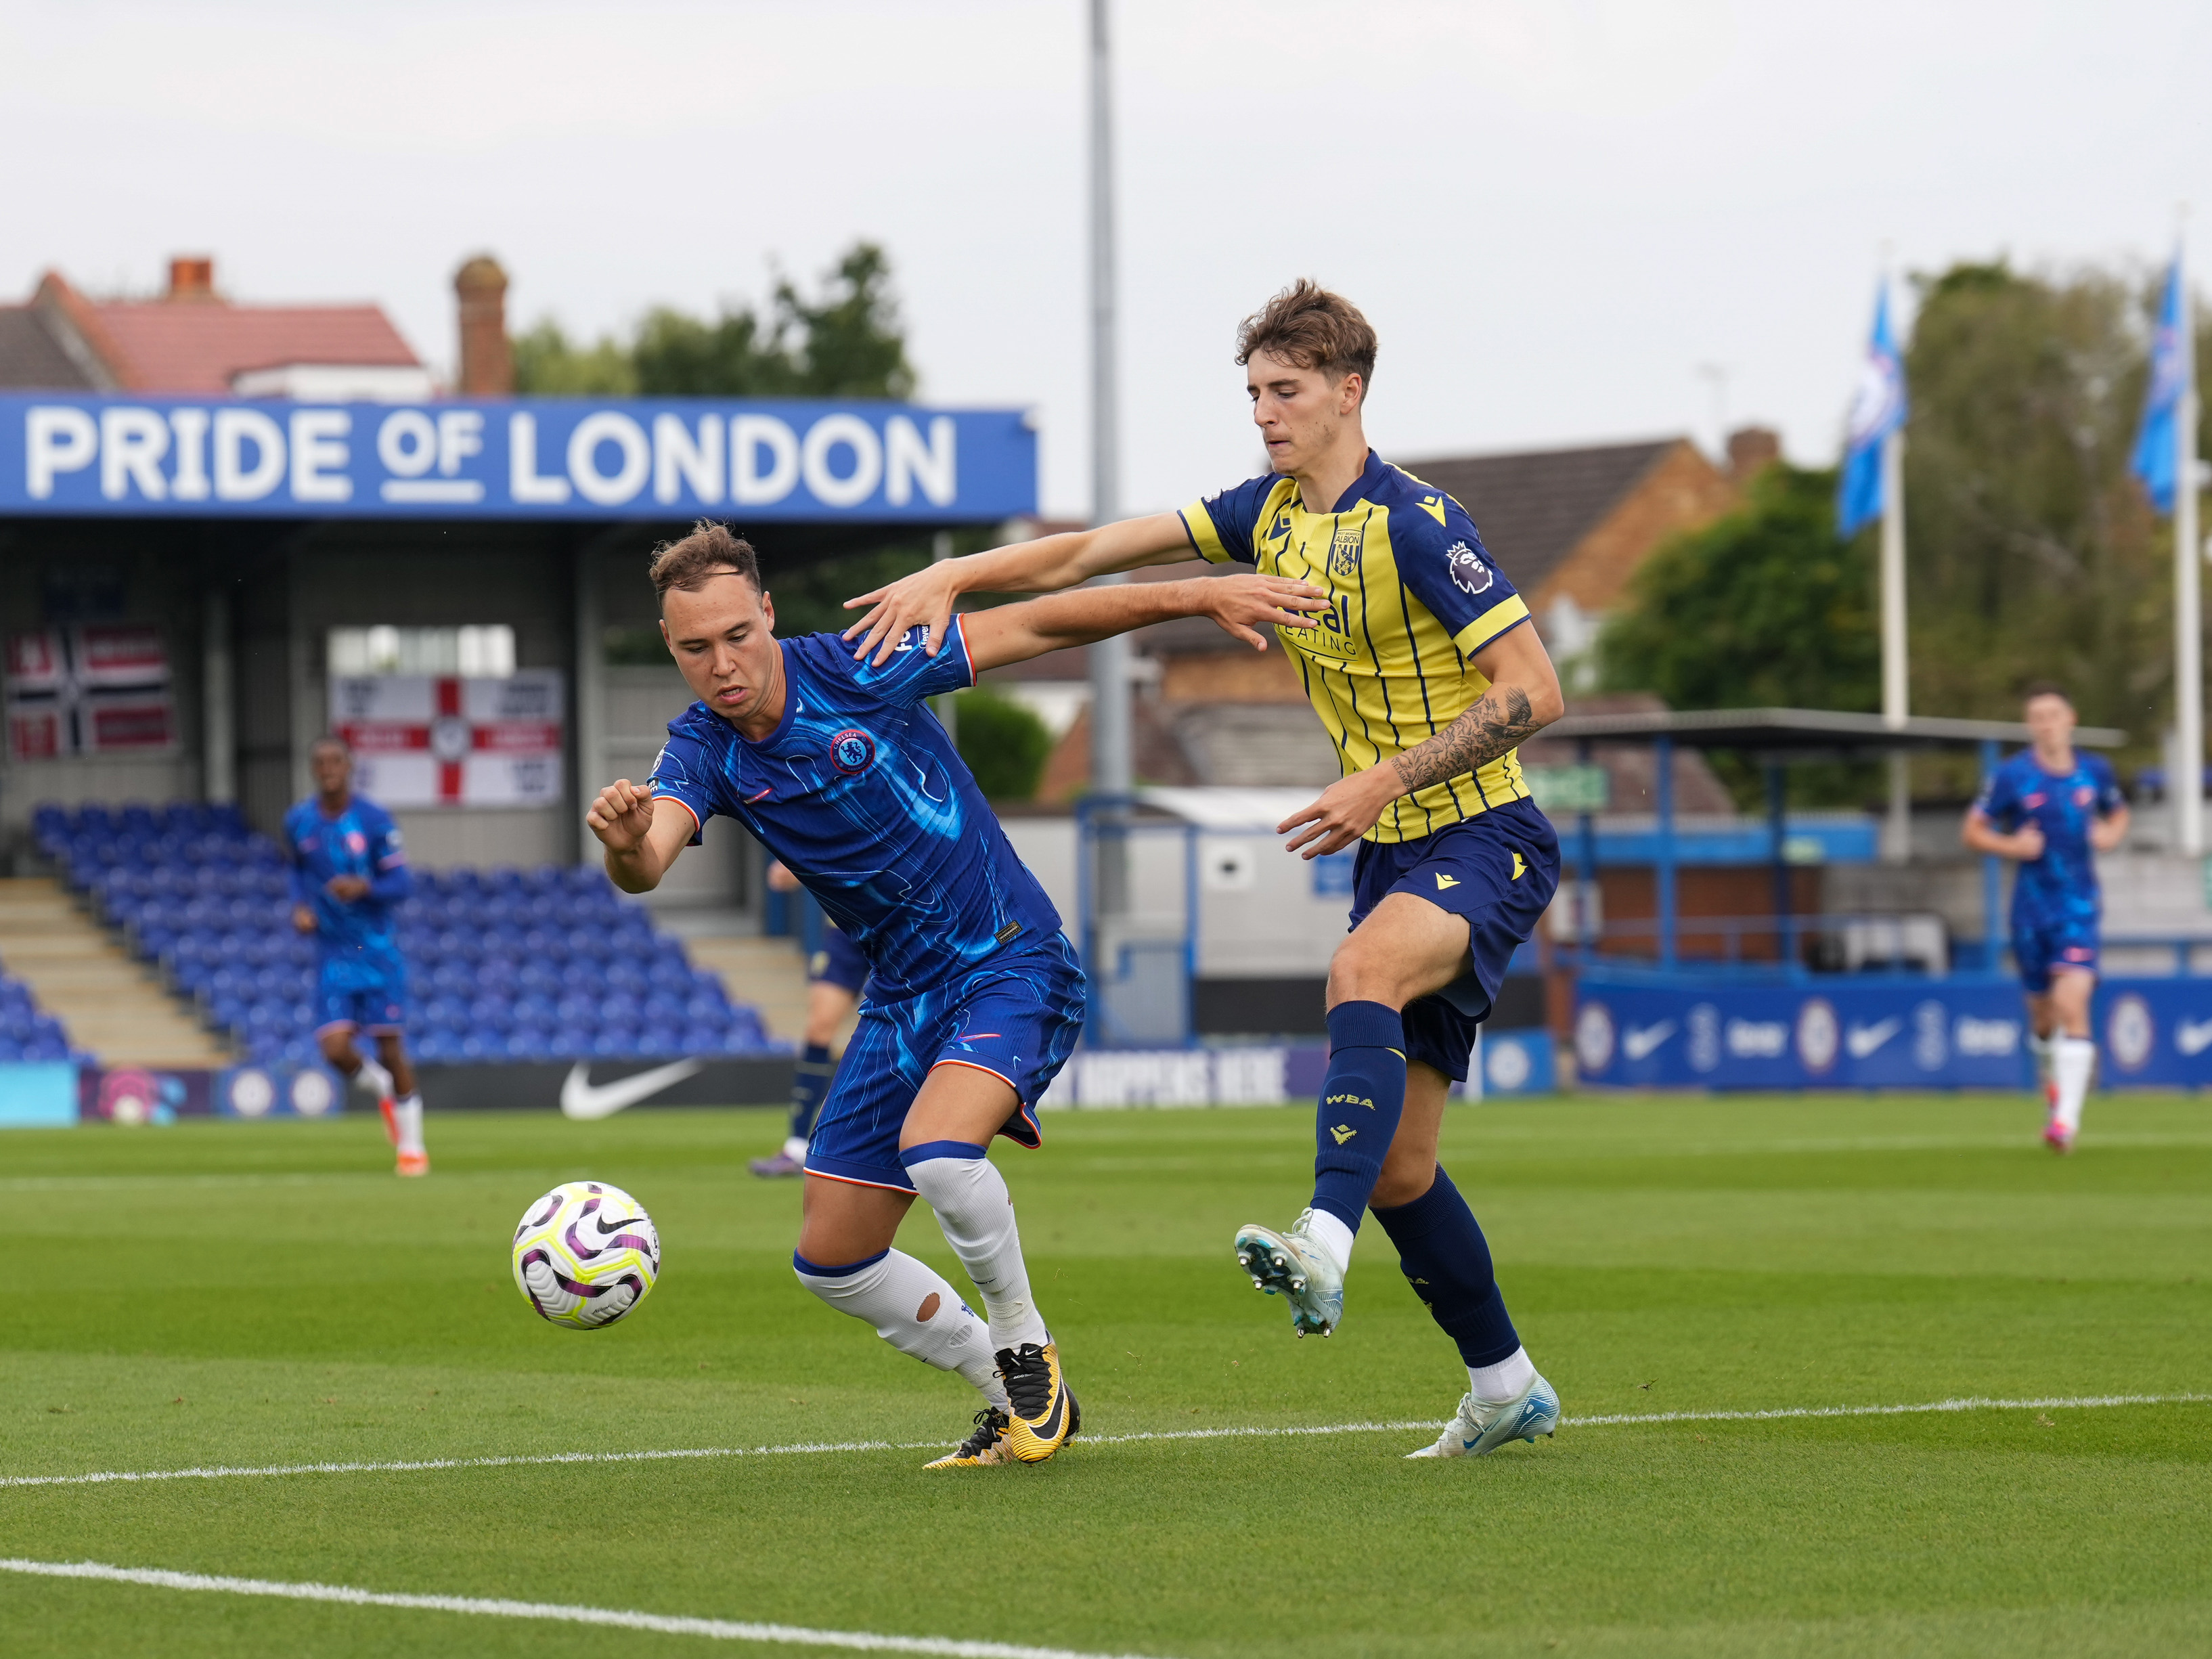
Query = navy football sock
x=1360 y=1104
x=809 y=1081
x=1443 y=1254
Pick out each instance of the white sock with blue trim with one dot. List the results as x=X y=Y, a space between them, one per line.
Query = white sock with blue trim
x=913 y=1309
x=976 y=1213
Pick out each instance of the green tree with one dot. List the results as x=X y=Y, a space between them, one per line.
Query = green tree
x=1004 y=744
x=1765 y=607
x=2031 y=552
x=847 y=341
x=548 y=364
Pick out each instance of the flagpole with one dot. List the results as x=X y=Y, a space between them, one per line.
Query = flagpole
x=2187 y=617
x=1896 y=688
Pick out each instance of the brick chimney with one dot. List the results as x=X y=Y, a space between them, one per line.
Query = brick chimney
x=1752 y=450
x=487 y=368
x=192 y=278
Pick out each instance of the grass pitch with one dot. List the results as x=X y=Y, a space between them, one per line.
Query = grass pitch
x=255 y=1294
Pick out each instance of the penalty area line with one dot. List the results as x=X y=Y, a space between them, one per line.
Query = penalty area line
x=722 y=1630
x=1284 y=1432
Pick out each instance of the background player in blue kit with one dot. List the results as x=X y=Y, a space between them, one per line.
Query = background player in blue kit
x=2052 y=809
x=349 y=870
x=975 y=999
x=836 y=975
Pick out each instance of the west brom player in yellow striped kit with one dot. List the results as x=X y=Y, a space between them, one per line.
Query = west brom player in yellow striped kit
x=1427 y=675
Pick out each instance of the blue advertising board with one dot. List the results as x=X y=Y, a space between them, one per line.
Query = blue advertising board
x=765 y=460
x=1874 y=1032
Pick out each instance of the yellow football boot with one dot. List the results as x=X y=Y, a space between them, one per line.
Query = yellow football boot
x=1042 y=1411
x=987 y=1445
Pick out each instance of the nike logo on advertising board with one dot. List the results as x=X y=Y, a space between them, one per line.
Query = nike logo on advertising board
x=2192 y=1037
x=1639 y=1045
x=1864 y=1040
x=583 y=1101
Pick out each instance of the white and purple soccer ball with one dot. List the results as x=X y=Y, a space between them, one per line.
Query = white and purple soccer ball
x=586 y=1255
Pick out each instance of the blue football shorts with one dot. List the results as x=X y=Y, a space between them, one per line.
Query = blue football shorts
x=839 y=962
x=1498 y=869
x=2043 y=947
x=1016 y=1016
x=350 y=997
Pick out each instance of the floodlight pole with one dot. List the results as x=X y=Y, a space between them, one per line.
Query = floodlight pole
x=2188 y=784
x=1110 y=769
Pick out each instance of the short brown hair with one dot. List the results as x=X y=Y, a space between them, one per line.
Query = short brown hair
x=2035 y=689
x=1307 y=326
x=710 y=550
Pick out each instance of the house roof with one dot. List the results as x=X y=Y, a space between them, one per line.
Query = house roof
x=196 y=345
x=1533 y=507
x=30 y=355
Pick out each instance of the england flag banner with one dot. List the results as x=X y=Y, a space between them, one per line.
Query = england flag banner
x=443 y=740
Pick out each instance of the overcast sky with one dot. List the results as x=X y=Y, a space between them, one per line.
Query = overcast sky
x=1555 y=212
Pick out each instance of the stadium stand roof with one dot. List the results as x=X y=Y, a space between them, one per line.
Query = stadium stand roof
x=1802 y=731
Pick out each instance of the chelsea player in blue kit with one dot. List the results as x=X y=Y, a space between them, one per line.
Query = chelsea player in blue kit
x=1427 y=674
x=2051 y=809
x=975 y=999
x=349 y=870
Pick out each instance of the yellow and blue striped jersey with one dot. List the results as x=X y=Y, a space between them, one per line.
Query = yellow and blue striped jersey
x=1413 y=594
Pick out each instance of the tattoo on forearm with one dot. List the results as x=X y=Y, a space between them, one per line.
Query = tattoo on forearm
x=1501 y=720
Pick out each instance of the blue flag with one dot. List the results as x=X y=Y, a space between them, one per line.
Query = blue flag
x=2154 y=461
x=1877 y=409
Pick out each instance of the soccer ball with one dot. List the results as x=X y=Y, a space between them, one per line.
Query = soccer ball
x=586 y=1255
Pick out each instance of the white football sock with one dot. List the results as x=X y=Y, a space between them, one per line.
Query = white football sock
x=373 y=1078
x=1506 y=1381
x=976 y=1214
x=794 y=1148
x=2045 y=1049
x=914 y=1310
x=409 y=1115
x=1329 y=1232
x=2076 y=1058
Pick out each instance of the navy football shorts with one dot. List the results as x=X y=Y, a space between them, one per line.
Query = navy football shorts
x=839 y=962
x=2039 y=948
x=1499 y=870
x=348 y=999
x=1016 y=1016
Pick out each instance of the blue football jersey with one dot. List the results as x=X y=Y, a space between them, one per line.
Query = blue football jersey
x=363 y=841
x=2062 y=885
x=863 y=796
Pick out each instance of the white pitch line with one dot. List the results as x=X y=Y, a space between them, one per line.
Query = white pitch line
x=412 y=1465
x=723 y=1630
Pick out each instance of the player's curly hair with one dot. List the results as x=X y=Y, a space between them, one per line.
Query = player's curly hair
x=1307 y=326
x=710 y=550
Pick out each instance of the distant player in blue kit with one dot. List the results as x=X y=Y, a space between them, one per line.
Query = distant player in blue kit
x=349 y=870
x=975 y=999
x=2050 y=809
x=836 y=975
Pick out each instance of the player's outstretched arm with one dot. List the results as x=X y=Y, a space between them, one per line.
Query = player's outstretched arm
x=925 y=598
x=641 y=842
x=1523 y=699
x=2024 y=844
x=1241 y=605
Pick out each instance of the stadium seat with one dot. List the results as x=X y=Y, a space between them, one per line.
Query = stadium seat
x=504 y=963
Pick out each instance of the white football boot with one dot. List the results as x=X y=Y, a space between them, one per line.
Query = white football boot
x=1477 y=1430
x=1295 y=1264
